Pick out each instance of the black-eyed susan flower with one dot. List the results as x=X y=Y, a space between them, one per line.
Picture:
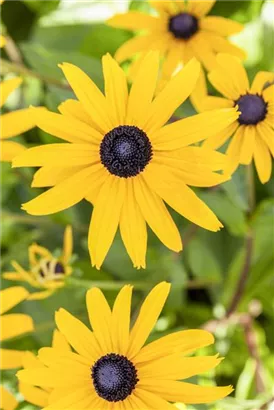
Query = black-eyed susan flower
x=252 y=133
x=13 y=123
x=180 y=30
x=12 y=325
x=111 y=368
x=39 y=396
x=45 y=271
x=122 y=158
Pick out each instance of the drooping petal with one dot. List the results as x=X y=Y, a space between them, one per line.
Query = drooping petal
x=234 y=150
x=11 y=359
x=261 y=79
x=69 y=192
x=11 y=297
x=34 y=395
x=148 y=315
x=7 y=400
x=221 y=25
x=262 y=160
x=202 y=50
x=89 y=95
x=142 y=89
x=169 y=99
x=193 y=129
x=68 y=245
x=180 y=197
x=133 y=228
x=9 y=150
x=15 y=324
x=217 y=140
x=77 y=334
x=222 y=45
x=200 y=8
x=7 y=87
x=248 y=144
x=105 y=218
x=184 y=341
x=121 y=320
x=116 y=90
x=185 y=392
x=157 y=216
x=267 y=135
x=134 y=20
x=172 y=60
x=100 y=318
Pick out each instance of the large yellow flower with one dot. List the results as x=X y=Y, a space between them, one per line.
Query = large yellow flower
x=45 y=271
x=112 y=369
x=180 y=31
x=13 y=123
x=39 y=396
x=12 y=325
x=252 y=133
x=122 y=158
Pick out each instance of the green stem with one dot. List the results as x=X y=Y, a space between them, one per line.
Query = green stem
x=250 y=188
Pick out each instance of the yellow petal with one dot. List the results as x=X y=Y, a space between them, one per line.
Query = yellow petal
x=116 y=90
x=11 y=297
x=157 y=216
x=213 y=103
x=222 y=45
x=105 y=218
x=64 y=195
x=11 y=359
x=172 y=60
x=74 y=109
x=59 y=342
x=262 y=160
x=185 y=392
x=169 y=99
x=30 y=361
x=9 y=150
x=176 y=367
x=45 y=377
x=148 y=316
x=100 y=318
x=48 y=176
x=223 y=26
x=217 y=140
x=15 y=324
x=7 y=400
x=40 y=295
x=185 y=341
x=79 y=398
x=142 y=89
x=59 y=361
x=134 y=20
x=89 y=96
x=200 y=8
x=193 y=129
x=267 y=135
x=261 y=79
x=268 y=96
x=234 y=150
x=202 y=50
x=169 y=7
x=77 y=335
x=121 y=320
x=248 y=144
x=68 y=245
x=180 y=197
x=2 y=41
x=36 y=252
x=7 y=87
x=146 y=400
x=12 y=276
x=34 y=395
x=199 y=93
x=134 y=234
x=18 y=122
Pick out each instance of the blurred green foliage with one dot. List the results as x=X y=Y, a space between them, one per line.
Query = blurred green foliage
x=206 y=273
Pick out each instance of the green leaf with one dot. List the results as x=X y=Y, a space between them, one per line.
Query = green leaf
x=202 y=261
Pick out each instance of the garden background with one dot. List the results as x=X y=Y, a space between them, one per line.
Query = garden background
x=205 y=276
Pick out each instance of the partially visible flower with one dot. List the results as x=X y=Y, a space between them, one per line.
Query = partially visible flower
x=252 y=133
x=121 y=157
x=12 y=325
x=112 y=369
x=180 y=30
x=40 y=396
x=13 y=123
x=2 y=38
x=45 y=271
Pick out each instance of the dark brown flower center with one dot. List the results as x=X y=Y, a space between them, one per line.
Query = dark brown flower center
x=253 y=109
x=183 y=25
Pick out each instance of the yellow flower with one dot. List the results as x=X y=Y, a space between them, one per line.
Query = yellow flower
x=36 y=395
x=252 y=133
x=12 y=325
x=180 y=30
x=13 y=123
x=45 y=271
x=122 y=158
x=111 y=367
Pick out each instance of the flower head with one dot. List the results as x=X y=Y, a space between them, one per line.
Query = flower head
x=12 y=325
x=45 y=271
x=13 y=123
x=252 y=133
x=122 y=158
x=180 y=30
x=110 y=366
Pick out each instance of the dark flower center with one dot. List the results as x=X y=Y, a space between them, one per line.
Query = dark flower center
x=114 y=377
x=253 y=109
x=125 y=151
x=58 y=269
x=183 y=25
